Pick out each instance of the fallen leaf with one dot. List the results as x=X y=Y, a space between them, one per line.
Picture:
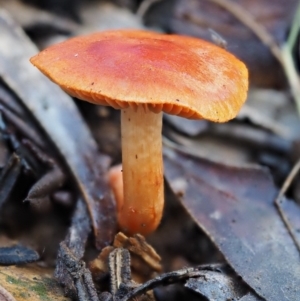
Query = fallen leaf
x=144 y=262
x=17 y=254
x=28 y=16
x=144 y=259
x=219 y=285
x=250 y=298
x=58 y=116
x=235 y=208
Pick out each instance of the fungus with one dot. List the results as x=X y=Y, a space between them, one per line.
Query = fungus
x=144 y=74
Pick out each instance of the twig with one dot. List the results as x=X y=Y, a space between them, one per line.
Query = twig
x=289 y=66
x=166 y=279
x=119 y=266
x=81 y=276
x=294 y=31
x=278 y=200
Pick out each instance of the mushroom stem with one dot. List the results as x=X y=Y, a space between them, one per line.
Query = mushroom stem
x=143 y=203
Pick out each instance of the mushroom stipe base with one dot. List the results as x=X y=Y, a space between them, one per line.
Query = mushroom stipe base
x=143 y=203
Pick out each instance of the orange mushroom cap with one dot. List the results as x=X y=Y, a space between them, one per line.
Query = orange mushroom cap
x=176 y=74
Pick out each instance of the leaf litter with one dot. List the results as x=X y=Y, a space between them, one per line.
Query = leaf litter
x=84 y=161
x=235 y=208
x=251 y=236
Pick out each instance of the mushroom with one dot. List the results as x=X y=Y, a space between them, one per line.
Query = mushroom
x=144 y=74
x=115 y=180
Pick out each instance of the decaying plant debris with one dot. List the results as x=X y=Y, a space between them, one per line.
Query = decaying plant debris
x=230 y=228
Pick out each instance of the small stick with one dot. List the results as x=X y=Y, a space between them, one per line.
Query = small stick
x=120 y=272
x=282 y=191
x=81 y=276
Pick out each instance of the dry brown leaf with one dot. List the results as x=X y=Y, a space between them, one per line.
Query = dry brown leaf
x=144 y=259
x=145 y=262
x=235 y=207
